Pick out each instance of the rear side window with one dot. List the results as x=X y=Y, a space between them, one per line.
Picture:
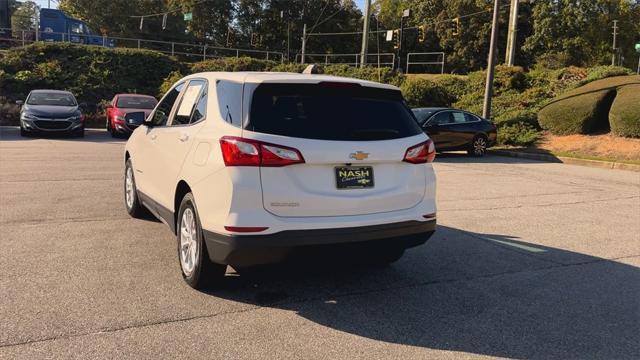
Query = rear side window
x=331 y=111
x=230 y=101
x=193 y=103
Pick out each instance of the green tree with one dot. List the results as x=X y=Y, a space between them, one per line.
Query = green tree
x=25 y=16
x=579 y=32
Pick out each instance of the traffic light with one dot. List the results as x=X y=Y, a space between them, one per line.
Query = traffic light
x=255 y=39
x=422 y=33
x=396 y=39
x=231 y=37
x=455 y=26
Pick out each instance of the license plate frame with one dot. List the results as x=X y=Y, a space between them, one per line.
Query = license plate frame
x=352 y=177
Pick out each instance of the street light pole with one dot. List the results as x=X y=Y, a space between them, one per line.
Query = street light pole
x=488 y=91
x=615 y=34
x=513 y=34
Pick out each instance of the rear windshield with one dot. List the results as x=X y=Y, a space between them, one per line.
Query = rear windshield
x=422 y=114
x=136 y=102
x=331 y=112
x=53 y=99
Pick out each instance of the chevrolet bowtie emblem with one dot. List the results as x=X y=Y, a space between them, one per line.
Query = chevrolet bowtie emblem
x=359 y=155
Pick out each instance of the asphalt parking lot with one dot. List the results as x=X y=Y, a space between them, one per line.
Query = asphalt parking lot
x=530 y=260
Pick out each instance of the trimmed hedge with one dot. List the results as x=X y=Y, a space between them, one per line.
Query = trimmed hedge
x=92 y=73
x=624 y=116
x=585 y=110
x=579 y=114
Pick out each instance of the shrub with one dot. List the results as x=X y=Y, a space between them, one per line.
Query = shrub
x=383 y=75
x=233 y=64
x=293 y=68
x=578 y=114
x=511 y=117
x=454 y=85
x=168 y=82
x=602 y=72
x=421 y=92
x=9 y=113
x=552 y=61
x=92 y=73
x=624 y=116
x=518 y=134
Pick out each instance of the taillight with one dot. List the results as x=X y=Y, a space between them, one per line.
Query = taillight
x=422 y=153
x=238 y=151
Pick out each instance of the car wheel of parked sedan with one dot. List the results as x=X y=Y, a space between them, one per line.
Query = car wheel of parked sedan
x=131 y=200
x=197 y=269
x=23 y=132
x=478 y=146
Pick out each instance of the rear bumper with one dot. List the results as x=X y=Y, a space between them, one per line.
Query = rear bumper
x=248 y=250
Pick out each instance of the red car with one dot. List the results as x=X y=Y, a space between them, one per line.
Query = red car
x=118 y=121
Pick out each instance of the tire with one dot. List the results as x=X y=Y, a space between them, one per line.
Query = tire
x=197 y=269
x=79 y=133
x=478 y=146
x=131 y=200
x=23 y=132
x=111 y=130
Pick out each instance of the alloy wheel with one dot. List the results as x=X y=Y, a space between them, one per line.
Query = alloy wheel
x=188 y=242
x=480 y=146
x=128 y=188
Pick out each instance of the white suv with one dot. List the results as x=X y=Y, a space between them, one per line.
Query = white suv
x=246 y=168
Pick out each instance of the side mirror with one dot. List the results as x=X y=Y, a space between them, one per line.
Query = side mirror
x=19 y=102
x=136 y=118
x=108 y=106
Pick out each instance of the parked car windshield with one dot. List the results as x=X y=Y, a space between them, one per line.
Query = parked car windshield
x=54 y=99
x=331 y=111
x=136 y=102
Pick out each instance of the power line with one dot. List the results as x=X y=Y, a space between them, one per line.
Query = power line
x=410 y=27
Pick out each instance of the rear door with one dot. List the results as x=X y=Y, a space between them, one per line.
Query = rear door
x=353 y=140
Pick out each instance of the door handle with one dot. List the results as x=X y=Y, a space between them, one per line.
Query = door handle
x=154 y=136
x=184 y=137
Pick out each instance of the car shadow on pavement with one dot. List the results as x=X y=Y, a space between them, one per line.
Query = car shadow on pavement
x=462 y=158
x=476 y=293
x=12 y=133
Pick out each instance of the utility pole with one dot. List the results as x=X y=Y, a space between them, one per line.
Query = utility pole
x=365 y=34
x=304 y=41
x=512 y=35
x=405 y=14
x=288 y=40
x=615 y=34
x=488 y=91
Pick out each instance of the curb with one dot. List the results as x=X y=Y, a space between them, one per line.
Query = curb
x=567 y=160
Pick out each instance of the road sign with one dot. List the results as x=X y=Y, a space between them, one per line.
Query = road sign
x=389 y=35
x=188 y=16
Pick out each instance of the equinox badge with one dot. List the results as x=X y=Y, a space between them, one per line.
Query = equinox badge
x=358 y=155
